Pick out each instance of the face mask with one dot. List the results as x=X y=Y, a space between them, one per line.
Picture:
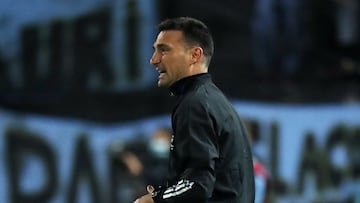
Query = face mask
x=159 y=147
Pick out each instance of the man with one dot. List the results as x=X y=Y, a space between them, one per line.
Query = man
x=210 y=157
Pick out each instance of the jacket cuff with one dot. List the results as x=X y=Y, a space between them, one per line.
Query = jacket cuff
x=157 y=195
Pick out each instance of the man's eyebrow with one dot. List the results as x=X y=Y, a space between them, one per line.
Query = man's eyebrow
x=159 y=46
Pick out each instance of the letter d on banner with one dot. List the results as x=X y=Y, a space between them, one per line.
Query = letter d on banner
x=21 y=146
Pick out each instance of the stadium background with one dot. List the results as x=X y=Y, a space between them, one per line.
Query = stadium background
x=75 y=79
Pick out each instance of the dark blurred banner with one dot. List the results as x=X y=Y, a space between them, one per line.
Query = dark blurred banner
x=264 y=49
x=100 y=45
x=53 y=160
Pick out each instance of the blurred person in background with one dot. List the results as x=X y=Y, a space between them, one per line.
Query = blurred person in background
x=277 y=37
x=149 y=158
x=261 y=173
x=210 y=155
x=347 y=21
x=333 y=37
x=144 y=163
x=262 y=182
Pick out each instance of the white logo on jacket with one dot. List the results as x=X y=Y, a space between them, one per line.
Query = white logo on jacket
x=172 y=142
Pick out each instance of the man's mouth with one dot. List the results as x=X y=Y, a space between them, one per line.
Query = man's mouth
x=162 y=74
x=161 y=71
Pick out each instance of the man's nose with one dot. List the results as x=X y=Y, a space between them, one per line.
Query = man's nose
x=155 y=59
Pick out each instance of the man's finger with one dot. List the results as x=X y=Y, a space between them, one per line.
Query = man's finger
x=150 y=188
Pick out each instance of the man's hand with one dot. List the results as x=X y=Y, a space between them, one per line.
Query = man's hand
x=146 y=198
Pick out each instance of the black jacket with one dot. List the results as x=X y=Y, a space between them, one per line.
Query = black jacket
x=210 y=157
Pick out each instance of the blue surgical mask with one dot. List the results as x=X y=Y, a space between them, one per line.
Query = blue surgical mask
x=159 y=147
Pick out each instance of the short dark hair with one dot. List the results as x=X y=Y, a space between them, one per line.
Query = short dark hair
x=195 y=32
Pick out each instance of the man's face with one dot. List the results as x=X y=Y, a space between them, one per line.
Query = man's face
x=171 y=57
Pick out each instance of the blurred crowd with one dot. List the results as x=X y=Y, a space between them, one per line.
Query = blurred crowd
x=306 y=38
x=290 y=44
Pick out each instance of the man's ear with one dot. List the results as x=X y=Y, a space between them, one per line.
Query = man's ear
x=196 y=54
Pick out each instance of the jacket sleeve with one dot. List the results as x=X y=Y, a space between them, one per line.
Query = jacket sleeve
x=196 y=147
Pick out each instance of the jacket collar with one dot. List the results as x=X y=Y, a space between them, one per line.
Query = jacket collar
x=181 y=86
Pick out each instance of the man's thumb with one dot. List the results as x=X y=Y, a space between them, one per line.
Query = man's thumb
x=150 y=189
